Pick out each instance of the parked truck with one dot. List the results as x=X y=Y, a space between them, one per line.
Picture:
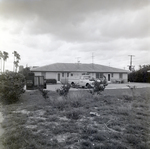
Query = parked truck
x=83 y=81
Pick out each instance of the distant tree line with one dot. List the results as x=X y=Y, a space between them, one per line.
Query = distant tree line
x=141 y=75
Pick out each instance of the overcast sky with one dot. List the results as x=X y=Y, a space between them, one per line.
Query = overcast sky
x=50 y=31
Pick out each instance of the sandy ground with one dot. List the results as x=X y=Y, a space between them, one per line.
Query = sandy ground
x=53 y=87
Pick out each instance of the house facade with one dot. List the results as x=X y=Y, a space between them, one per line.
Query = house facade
x=65 y=71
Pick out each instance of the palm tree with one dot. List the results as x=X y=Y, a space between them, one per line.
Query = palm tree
x=16 y=65
x=15 y=53
x=5 y=56
x=18 y=57
x=16 y=60
x=1 y=57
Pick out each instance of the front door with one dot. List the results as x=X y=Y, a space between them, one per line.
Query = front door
x=58 y=76
x=108 y=77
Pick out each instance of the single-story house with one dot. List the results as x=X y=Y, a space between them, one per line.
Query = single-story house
x=64 y=71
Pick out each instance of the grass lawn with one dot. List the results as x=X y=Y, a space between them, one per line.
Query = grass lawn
x=114 y=120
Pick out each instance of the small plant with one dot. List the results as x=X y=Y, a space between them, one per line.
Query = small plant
x=99 y=86
x=64 y=89
x=132 y=88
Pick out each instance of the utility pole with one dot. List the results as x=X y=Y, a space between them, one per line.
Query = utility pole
x=131 y=67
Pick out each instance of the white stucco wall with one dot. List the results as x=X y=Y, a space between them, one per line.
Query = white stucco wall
x=125 y=77
x=76 y=75
x=37 y=73
x=116 y=76
x=51 y=75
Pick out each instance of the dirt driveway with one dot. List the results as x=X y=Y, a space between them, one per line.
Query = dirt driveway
x=110 y=86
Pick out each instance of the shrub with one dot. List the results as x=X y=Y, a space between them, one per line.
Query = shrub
x=99 y=86
x=64 y=89
x=11 y=86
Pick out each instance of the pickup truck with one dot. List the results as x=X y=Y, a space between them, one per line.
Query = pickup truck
x=83 y=81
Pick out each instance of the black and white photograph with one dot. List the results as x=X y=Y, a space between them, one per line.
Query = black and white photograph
x=74 y=74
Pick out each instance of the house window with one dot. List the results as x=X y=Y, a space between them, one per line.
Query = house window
x=97 y=75
x=112 y=75
x=101 y=75
x=120 y=75
x=71 y=74
x=62 y=74
x=67 y=74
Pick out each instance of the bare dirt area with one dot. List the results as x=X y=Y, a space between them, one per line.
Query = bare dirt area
x=117 y=119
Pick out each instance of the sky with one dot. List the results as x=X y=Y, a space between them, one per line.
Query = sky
x=104 y=32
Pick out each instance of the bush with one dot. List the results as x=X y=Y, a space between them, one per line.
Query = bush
x=141 y=75
x=11 y=86
x=99 y=86
x=64 y=89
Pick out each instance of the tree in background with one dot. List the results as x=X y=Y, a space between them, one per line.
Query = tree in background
x=1 y=58
x=25 y=71
x=16 y=65
x=141 y=75
x=16 y=61
x=5 y=57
